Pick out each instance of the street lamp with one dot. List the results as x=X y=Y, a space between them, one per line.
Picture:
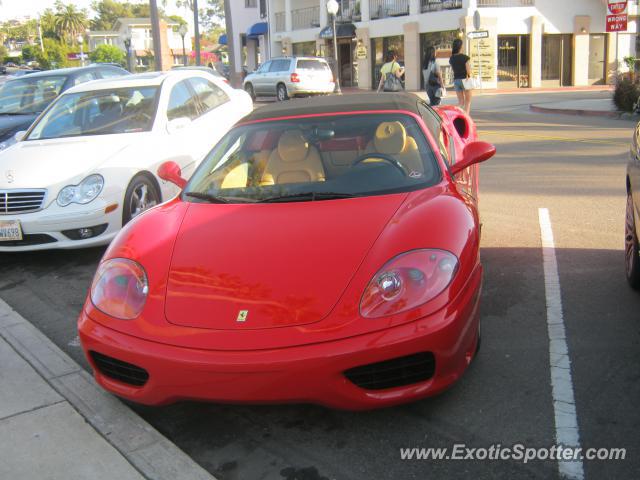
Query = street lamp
x=332 y=9
x=127 y=46
x=80 y=40
x=183 y=31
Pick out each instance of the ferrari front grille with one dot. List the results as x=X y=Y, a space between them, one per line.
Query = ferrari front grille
x=397 y=372
x=118 y=370
x=21 y=201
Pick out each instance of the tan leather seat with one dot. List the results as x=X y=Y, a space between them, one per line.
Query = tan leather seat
x=391 y=139
x=293 y=161
x=238 y=177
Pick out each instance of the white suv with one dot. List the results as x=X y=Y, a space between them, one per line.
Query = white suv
x=290 y=77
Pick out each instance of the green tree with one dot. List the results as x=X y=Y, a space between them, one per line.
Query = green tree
x=29 y=52
x=209 y=16
x=178 y=19
x=70 y=22
x=3 y=53
x=107 y=54
x=108 y=11
x=48 y=24
x=54 y=55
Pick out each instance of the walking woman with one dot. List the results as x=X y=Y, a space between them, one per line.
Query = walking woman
x=390 y=74
x=461 y=71
x=432 y=76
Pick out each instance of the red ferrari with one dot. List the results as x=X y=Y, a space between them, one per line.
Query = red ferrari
x=325 y=251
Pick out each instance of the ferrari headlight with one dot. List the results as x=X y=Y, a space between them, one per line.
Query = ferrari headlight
x=86 y=191
x=120 y=288
x=408 y=281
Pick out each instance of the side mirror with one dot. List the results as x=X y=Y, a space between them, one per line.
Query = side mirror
x=178 y=124
x=170 y=171
x=474 y=152
x=18 y=136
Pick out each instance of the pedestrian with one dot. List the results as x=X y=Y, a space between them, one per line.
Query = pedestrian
x=390 y=74
x=433 y=82
x=460 y=63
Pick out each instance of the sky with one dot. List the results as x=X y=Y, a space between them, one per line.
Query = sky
x=20 y=8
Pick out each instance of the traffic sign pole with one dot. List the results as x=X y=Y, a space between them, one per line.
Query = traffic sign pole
x=476 y=23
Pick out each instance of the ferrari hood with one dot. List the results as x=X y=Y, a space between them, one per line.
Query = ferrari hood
x=270 y=265
x=45 y=163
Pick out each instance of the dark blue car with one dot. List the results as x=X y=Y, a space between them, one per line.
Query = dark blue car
x=23 y=98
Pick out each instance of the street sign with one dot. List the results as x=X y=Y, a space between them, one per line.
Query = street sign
x=478 y=34
x=617 y=17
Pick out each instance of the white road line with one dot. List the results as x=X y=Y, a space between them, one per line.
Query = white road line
x=564 y=405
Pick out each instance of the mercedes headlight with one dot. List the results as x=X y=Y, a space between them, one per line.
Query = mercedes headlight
x=86 y=191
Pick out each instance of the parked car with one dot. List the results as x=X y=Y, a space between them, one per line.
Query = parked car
x=288 y=77
x=23 y=98
x=202 y=68
x=87 y=165
x=632 y=222
x=324 y=252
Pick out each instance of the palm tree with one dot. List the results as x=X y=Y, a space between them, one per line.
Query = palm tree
x=70 y=22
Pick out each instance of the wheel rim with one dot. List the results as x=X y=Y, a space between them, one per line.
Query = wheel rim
x=281 y=93
x=249 y=90
x=142 y=198
x=630 y=241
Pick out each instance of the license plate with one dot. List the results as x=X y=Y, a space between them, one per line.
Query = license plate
x=10 y=230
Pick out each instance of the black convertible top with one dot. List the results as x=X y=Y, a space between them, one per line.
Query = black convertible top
x=337 y=103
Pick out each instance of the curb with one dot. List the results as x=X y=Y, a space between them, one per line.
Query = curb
x=150 y=452
x=583 y=113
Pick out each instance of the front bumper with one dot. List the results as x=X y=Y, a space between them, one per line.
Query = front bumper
x=303 y=374
x=42 y=230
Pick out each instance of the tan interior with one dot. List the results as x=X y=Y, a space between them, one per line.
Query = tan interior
x=293 y=161
x=391 y=139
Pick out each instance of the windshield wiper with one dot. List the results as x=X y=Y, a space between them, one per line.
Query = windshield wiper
x=205 y=196
x=15 y=113
x=308 y=196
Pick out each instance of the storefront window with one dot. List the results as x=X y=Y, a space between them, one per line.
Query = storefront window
x=379 y=49
x=442 y=42
x=307 y=49
x=513 y=60
x=556 y=60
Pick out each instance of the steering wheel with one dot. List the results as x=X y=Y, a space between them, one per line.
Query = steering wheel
x=381 y=156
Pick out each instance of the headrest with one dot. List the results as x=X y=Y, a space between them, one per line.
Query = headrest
x=292 y=146
x=390 y=138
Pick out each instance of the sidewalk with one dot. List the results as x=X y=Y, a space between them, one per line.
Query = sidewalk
x=601 y=107
x=56 y=423
x=504 y=91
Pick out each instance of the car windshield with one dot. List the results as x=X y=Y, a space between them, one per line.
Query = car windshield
x=29 y=95
x=99 y=112
x=317 y=158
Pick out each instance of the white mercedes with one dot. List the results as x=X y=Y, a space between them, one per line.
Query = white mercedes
x=89 y=163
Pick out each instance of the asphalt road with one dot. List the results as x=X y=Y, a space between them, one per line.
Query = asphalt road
x=574 y=166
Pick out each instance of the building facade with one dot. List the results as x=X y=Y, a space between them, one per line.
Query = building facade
x=138 y=32
x=530 y=43
x=250 y=33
